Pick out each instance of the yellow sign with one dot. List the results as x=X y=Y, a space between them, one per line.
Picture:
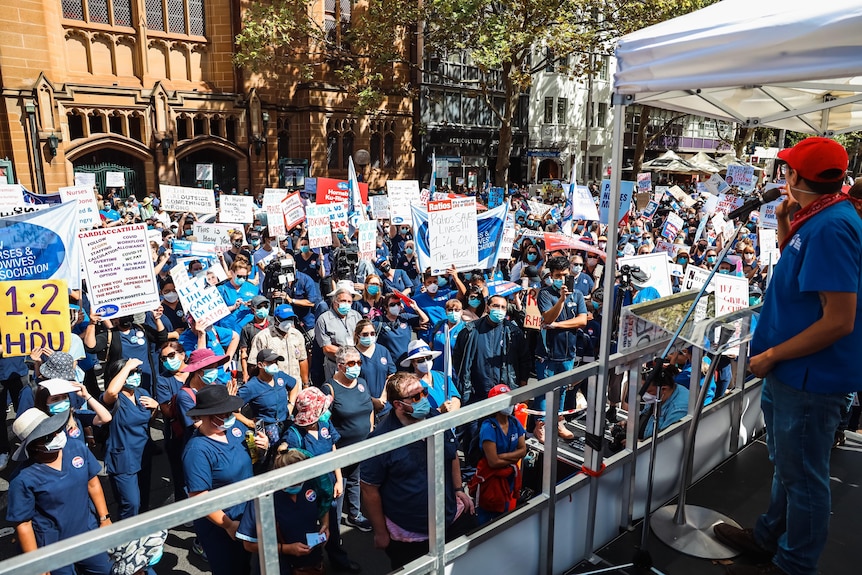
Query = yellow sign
x=33 y=314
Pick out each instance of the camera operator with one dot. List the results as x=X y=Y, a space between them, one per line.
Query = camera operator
x=282 y=283
x=674 y=404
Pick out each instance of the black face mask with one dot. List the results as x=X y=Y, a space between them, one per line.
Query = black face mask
x=386 y=268
x=237 y=244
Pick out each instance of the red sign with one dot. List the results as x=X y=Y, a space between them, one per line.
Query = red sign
x=331 y=191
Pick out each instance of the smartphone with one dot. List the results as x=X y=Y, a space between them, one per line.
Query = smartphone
x=570 y=283
x=315 y=539
x=259 y=426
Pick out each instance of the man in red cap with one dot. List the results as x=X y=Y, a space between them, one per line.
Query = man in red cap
x=806 y=348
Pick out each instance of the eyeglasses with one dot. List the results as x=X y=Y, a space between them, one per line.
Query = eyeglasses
x=171 y=355
x=416 y=398
x=353 y=363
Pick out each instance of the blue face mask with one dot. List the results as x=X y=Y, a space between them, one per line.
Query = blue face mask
x=497 y=315
x=352 y=372
x=305 y=250
x=620 y=253
x=421 y=409
x=373 y=290
x=343 y=308
x=453 y=316
x=255 y=243
x=134 y=380
x=753 y=301
x=238 y=280
x=261 y=312
x=293 y=489
x=172 y=364
x=210 y=375
x=468 y=276
x=366 y=340
x=187 y=233
x=228 y=422
x=558 y=283
x=59 y=407
x=271 y=369
x=474 y=302
x=79 y=375
x=408 y=251
x=683 y=261
x=324 y=417
x=710 y=259
x=531 y=257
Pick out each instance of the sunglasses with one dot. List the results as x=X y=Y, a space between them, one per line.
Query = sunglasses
x=353 y=363
x=241 y=277
x=415 y=398
x=171 y=355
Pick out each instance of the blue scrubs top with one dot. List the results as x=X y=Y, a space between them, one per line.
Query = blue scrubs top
x=437 y=393
x=506 y=443
x=268 y=401
x=396 y=335
x=375 y=370
x=218 y=339
x=559 y=344
x=439 y=343
x=209 y=464
x=130 y=433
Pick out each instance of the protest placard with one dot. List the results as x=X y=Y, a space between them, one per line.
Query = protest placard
x=337 y=216
x=293 y=210
x=380 y=207
x=119 y=270
x=204 y=172
x=183 y=199
x=401 y=194
x=368 y=240
x=218 y=234
x=275 y=220
x=660 y=191
x=34 y=314
x=187 y=248
x=319 y=227
x=695 y=278
x=452 y=234
x=728 y=203
x=656 y=267
x=495 y=197
x=644 y=182
x=199 y=298
x=11 y=196
x=768 y=218
x=680 y=196
x=331 y=191
x=716 y=185
x=115 y=180
x=85 y=179
x=532 y=317
x=211 y=269
x=626 y=192
x=728 y=230
x=768 y=242
x=583 y=204
x=88 y=207
x=538 y=208
x=740 y=176
x=274 y=196
x=236 y=209
x=672 y=225
x=555 y=241
x=650 y=209
x=41 y=244
x=710 y=204
x=508 y=238
x=666 y=247
x=642 y=200
x=731 y=293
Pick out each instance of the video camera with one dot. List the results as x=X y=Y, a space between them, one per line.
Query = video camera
x=629 y=274
x=345 y=260
x=278 y=274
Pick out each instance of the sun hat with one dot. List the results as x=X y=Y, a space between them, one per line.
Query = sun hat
x=59 y=386
x=203 y=358
x=58 y=365
x=34 y=424
x=137 y=555
x=215 y=400
x=817 y=159
x=416 y=349
x=345 y=285
x=310 y=405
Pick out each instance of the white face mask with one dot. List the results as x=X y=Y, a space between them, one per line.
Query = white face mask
x=431 y=288
x=57 y=443
x=424 y=366
x=650 y=398
x=171 y=297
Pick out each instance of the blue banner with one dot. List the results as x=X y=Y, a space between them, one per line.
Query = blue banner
x=495 y=197
x=489 y=228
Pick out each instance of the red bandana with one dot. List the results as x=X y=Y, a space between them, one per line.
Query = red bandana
x=812 y=209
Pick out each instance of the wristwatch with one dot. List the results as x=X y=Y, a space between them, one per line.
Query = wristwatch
x=104 y=517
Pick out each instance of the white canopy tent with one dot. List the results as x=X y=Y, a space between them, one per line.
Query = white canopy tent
x=789 y=64
x=670 y=162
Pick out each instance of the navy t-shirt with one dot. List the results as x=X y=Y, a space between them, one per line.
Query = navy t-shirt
x=351 y=410
x=375 y=370
x=268 y=401
x=559 y=344
x=396 y=335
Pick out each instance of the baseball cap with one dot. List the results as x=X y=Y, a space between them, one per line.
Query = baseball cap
x=817 y=159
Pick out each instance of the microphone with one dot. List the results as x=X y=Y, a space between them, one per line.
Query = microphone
x=751 y=205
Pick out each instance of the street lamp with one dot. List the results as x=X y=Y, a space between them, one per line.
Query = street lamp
x=259 y=140
x=166 y=143
x=53 y=143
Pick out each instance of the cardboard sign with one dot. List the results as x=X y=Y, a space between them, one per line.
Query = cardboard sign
x=199 y=298
x=642 y=200
x=236 y=209
x=626 y=192
x=380 y=207
x=533 y=317
x=34 y=314
x=274 y=196
x=183 y=199
x=115 y=180
x=644 y=182
x=740 y=176
x=672 y=226
x=731 y=293
x=319 y=227
x=119 y=270
x=275 y=220
x=293 y=210
x=452 y=233
x=218 y=234
x=88 y=207
x=401 y=194
x=368 y=240
x=331 y=191
x=85 y=179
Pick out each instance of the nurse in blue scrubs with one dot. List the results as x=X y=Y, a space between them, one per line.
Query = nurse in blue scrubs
x=215 y=456
x=50 y=493
x=129 y=449
x=55 y=396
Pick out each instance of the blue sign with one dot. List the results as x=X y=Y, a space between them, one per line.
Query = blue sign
x=495 y=197
x=29 y=252
x=489 y=230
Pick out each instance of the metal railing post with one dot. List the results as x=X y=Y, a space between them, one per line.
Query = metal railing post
x=549 y=483
x=267 y=531
x=437 y=499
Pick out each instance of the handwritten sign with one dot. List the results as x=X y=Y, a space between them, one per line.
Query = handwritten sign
x=85 y=179
x=367 y=239
x=274 y=196
x=583 y=204
x=627 y=190
x=731 y=293
x=183 y=199
x=88 y=207
x=319 y=228
x=667 y=247
x=338 y=216
x=11 y=196
x=710 y=204
x=380 y=207
x=508 y=238
x=538 y=208
x=218 y=234
x=740 y=176
x=533 y=317
x=35 y=313
x=401 y=194
x=115 y=180
x=656 y=267
x=236 y=209
x=695 y=278
x=119 y=270
x=275 y=220
x=199 y=298
x=452 y=233
x=768 y=242
x=645 y=182
x=728 y=203
x=293 y=210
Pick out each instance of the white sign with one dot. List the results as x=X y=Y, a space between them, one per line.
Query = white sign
x=452 y=233
x=681 y=196
x=710 y=205
x=768 y=242
x=695 y=278
x=716 y=185
x=338 y=216
x=656 y=267
x=319 y=228
x=199 y=298
x=115 y=179
x=768 y=218
x=88 y=207
x=508 y=240
x=274 y=196
x=583 y=205
x=368 y=240
x=644 y=182
x=379 y=207
x=660 y=191
x=731 y=293
x=11 y=196
x=627 y=190
x=204 y=172
x=538 y=208
x=672 y=226
x=728 y=203
x=119 y=270
x=236 y=209
x=401 y=194
x=293 y=210
x=184 y=199
x=218 y=234
x=667 y=247
x=275 y=220
x=740 y=176
x=85 y=179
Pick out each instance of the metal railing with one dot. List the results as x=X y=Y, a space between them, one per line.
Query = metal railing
x=261 y=487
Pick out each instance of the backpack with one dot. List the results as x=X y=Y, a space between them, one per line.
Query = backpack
x=172 y=413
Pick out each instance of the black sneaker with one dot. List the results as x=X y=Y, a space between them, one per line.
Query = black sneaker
x=742 y=540
x=611 y=415
x=358 y=522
